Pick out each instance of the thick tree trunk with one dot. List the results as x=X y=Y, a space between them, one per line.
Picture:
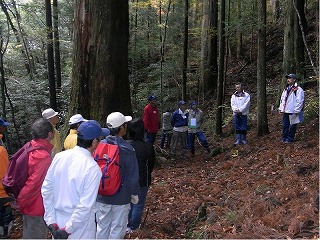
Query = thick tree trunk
x=262 y=120
x=100 y=83
x=209 y=42
x=56 y=43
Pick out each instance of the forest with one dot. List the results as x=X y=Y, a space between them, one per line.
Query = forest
x=95 y=57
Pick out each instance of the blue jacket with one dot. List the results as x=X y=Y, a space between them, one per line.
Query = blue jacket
x=177 y=119
x=129 y=174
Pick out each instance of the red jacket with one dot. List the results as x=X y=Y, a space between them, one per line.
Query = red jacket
x=151 y=118
x=30 y=200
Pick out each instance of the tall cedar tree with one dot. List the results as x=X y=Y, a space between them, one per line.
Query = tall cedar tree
x=100 y=83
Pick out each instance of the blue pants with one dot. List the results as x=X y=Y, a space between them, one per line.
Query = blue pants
x=166 y=134
x=150 y=137
x=288 y=130
x=135 y=214
x=240 y=124
x=192 y=137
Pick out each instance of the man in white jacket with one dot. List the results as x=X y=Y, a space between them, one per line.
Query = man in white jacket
x=291 y=106
x=240 y=103
x=71 y=185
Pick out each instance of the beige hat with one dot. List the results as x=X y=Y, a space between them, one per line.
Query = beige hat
x=49 y=113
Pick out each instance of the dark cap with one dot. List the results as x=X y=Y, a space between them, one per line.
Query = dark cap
x=4 y=122
x=151 y=97
x=193 y=103
x=181 y=103
x=291 y=75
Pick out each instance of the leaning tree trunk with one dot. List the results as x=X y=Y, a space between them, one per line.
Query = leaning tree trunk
x=262 y=120
x=100 y=83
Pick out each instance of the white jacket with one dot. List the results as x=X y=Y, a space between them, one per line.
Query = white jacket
x=241 y=103
x=70 y=190
x=294 y=102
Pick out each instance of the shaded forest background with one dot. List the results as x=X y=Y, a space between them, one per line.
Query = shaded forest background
x=155 y=59
x=262 y=190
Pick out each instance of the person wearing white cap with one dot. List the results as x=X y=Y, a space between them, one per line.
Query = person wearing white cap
x=71 y=185
x=113 y=211
x=52 y=116
x=74 y=123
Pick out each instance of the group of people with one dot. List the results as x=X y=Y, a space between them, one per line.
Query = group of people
x=179 y=128
x=61 y=192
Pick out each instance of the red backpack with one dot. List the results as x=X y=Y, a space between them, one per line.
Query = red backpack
x=17 y=172
x=108 y=159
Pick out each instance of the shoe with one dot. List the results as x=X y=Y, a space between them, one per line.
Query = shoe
x=129 y=230
x=237 y=142
x=208 y=150
x=243 y=141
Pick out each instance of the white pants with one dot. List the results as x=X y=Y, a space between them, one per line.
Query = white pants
x=112 y=221
x=87 y=231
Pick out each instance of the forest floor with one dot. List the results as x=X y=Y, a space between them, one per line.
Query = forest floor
x=265 y=189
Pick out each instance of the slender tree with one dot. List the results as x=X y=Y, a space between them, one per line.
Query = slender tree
x=185 y=50
x=262 y=119
x=56 y=42
x=100 y=83
x=222 y=51
x=50 y=56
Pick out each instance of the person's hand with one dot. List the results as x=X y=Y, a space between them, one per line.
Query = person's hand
x=134 y=199
x=53 y=228
x=61 y=234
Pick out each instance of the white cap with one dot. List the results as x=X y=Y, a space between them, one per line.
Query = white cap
x=76 y=119
x=116 y=119
x=49 y=113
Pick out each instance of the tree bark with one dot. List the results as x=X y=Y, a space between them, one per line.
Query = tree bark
x=50 y=56
x=222 y=50
x=100 y=83
x=262 y=119
x=185 y=50
x=56 y=42
x=209 y=46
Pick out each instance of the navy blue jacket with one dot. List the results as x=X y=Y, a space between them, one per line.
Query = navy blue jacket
x=177 y=119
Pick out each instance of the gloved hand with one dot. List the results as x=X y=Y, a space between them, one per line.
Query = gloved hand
x=53 y=228
x=134 y=199
x=61 y=234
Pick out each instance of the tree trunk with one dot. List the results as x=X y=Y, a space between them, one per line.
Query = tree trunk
x=222 y=43
x=100 y=83
x=56 y=42
x=50 y=57
x=298 y=41
x=288 y=65
x=209 y=45
x=185 y=50
x=262 y=120
x=239 y=31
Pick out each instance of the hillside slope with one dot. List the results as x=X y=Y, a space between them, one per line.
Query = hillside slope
x=268 y=190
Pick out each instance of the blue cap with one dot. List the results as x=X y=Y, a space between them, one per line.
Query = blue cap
x=291 y=75
x=193 y=103
x=91 y=129
x=151 y=97
x=181 y=103
x=4 y=123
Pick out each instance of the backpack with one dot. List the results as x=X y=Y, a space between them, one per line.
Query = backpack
x=17 y=172
x=108 y=159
